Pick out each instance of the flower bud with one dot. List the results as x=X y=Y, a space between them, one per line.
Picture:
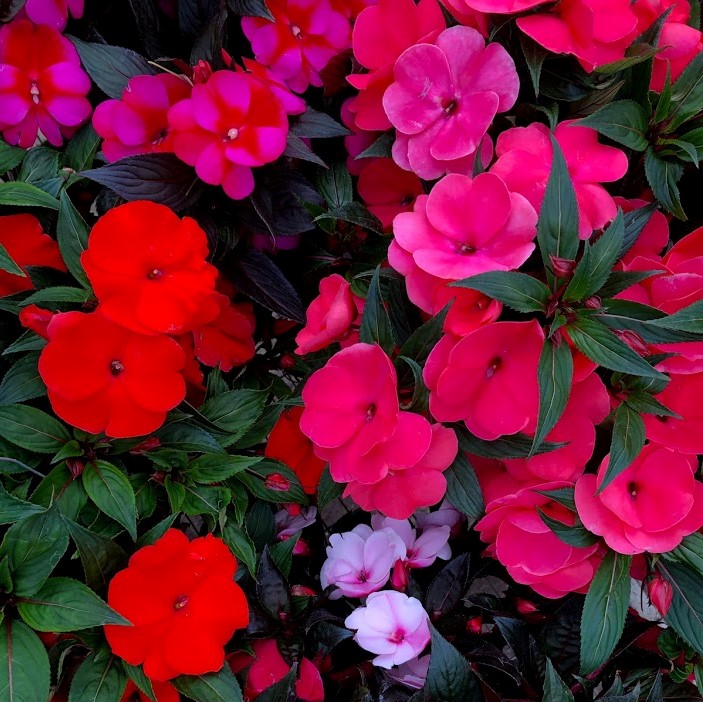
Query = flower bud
x=277 y=482
x=474 y=625
x=399 y=576
x=562 y=267
x=201 y=72
x=660 y=593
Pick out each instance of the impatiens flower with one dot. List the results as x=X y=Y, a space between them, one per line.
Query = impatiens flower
x=102 y=377
x=652 y=239
x=488 y=379
x=148 y=269
x=421 y=550
x=53 y=13
x=525 y=162
x=648 y=11
x=303 y=36
x=529 y=549
x=445 y=515
x=377 y=49
x=231 y=123
x=412 y=673
x=292 y=519
x=596 y=32
x=36 y=319
x=392 y=625
x=288 y=444
x=681 y=44
x=405 y=489
x=444 y=98
x=468 y=226
x=649 y=507
x=43 y=87
x=293 y=104
x=504 y=7
x=359 y=562
x=183 y=603
x=27 y=245
x=329 y=316
x=163 y=691
x=138 y=123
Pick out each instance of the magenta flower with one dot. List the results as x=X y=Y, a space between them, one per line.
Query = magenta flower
x=649 y=507
x=138 y=123
x=488 y=379
x=231 y=123
x=42 y=85
x=445 y=97
x=525 y=162
x=680 y=45
x=359 y=562
x=298 y=44
x=53 y=13
x=468 y=226
x=392 y=625
x=504 y=7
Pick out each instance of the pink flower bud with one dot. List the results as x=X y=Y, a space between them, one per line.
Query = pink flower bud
x=277 y=482
x=474 y=625
x=562 y=267
x=399 y=576
x=201 y=72
x=525 y=606
x=660 y=593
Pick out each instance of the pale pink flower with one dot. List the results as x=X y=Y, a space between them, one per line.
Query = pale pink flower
x=53 y=13
x=359 y=562
x=412 y=673
x=292 y=519
x=421 y=550
x=445 y=515
x=649 y=507
x=445 y=96
x=525 y=162
x=392 y=625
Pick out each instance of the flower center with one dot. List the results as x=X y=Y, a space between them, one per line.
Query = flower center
x=407 y=200
x=34 y=92
x=181 y=602
x=493 y=366
x=467 y=249
x=449 y=106
x=397 y=636
x=160 y=137
x=116 y=368
x=232 y=134
x=154 y=274
x=296 y=31
x=632 y=489
x=371 y=412
x=363 y=576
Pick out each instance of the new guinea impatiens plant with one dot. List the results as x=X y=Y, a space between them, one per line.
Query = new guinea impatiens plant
x=351 y=350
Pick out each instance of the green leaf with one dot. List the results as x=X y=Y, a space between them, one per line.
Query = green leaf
x=643 y=402
x=449 y=677
x=447 y=588
x=282 y=554
x=354 y=213
x=271 y=586
x=558 y=225
x=686 y=95
x=623 y=121
x=32 y=429
x=518 y=291
x=112 y=493
x=213 y=687
x=515 y=446
x=238 y=541
x=463 y=489
x=685 y=616
x=182 y=436
x=689 y=552
x=156 y=532
x=255 y=480
x=327 y=489
x=22 y=382
x=72 y=237
x=604 y=611
x=335 y=184
x=137 y=676
x=626 y=442
x=688 y=319
x=554 y=688
x=8 y=265
x=21 y=194
x=534 y=58
x=12 y=509
x=63 y=604
x=424 y=338
x=635 y=222
x=564 y=496
x=100 y=678
x=622 y=280
x=215 y=467
x=282 y=690
x=235 y=411
x=58 y=293
x=10 y=157
x=34 y=546
x=81 y=150
x=600 y=345
x=663 y=177
x=375 y=322
x=205 y=499
x=575 y=535
x=24 y=664
x=381 y=148
x=554 y=373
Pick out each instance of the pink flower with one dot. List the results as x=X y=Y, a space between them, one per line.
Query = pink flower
x=527 y=547
x=42 y=85
x=423 y=550
x=377 y=49
x=405 y=488
x=650 y=506
x=525 y=162
x=468 y=226
x=53 y=13
x=329 y=316
x=504 y=7
x=412 y=673
x=648 y=11
x=660 y=592
x=444 y=98
x=356 y=142
x=359 y=562
x=293 y=104
x=298 y=44
x=138 y=123
x=392 y=625
x=460 y=10
x=292 y=519
x=445 y=515
x=488 y=379
x=596 y=32
x=681 y=45
x=652 y=239
x=231 y=123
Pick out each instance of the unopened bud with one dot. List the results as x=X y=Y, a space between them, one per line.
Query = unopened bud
x=525 y=606
x=475 y=625
x=277 y=482
x=399 y=576
x=562 y=267
x=75 y=466
x=201 y=72
x=660 y=593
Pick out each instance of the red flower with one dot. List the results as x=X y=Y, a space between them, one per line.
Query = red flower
x=36 y=319
x=103 y=377
x=289 y=445
x=183 y=603
x=164 y=692
x=27 y=245
x=148 y=269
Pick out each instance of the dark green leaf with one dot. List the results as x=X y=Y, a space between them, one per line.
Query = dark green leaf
x=425 y=337
x=626 y=442
x=623 y=121
x=81 y=150
x=235 y=411
x=622 y=280
x=271 y=586
x=240 y=544
x=449 y=677
x=250 y=8
x=213 y=687
x=109 y=489
x=12 y=509
x=215 y=467
x=25 y=195
x=156 y=532
x=534 y=58
x=32 y=429
x=689 y=552
x=554 y=688
x=297 y=148
x=375 y=323
x=688 y=319
x=686 y=94
x=446 y=589
x=635 y=222
x=72 y=236
x=10 y=157
x=518 y=291
x=641 y=401
x=182 y=436
x=644 y=320
x=327 y=489
x=100 y=678
x=282 y=690
x=663 y=177
x=137 y=676
x=24 y=665
x=381 y=148
x=205 y=499
x=576 y=535
x=515 y=446
x=255 y=479
x=463 y=489
x=685 y=616
x=353 y=213
x=8 y=265
x=335 y=184
x=22 y=382
x=316 y=125
x=564 y=496
x=282 y=554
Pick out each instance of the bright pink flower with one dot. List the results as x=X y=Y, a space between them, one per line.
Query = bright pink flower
x=444 y=98
x=488 y=379
x=525 y=162
x=461 y=11
x=596 y=32
x=42 y=85
x=529 y=549
x=377 y=49
x=329 y=316
x=406 y=488
x=357 y=141
x=588 y=406
x=652 y=239
x=53 y=13
x=650 y=506
x=504 y=7
x=138 y=123
x=648 y=11
x=359 y=562
x=298 y=44
x=352 y=8
x=230 y=124
x=681 y=45
x=468 y=226
x=293 y=104
x=392 y=625
x=421 y=551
